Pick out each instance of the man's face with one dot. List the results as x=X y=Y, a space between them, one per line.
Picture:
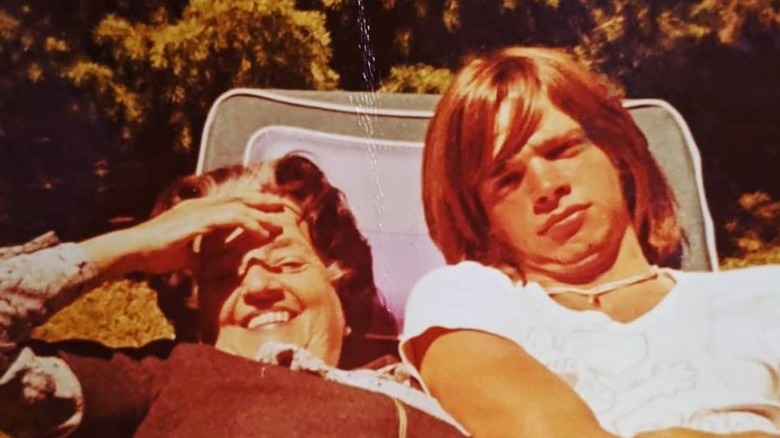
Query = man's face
x=253 y=290
x=558 y=203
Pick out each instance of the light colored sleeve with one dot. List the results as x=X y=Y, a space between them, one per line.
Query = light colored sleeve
x=765 y=311
x=751 y=294
x=40 y=396
x=467 y=296
x=745 y=308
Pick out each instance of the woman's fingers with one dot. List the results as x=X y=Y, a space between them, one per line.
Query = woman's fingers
x=268 y=202
x=173 y=239
x=239 y=218
x=223 y=212
x=232 y=236
x=196 y=243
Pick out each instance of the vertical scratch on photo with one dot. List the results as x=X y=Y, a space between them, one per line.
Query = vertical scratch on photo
x=366 y=104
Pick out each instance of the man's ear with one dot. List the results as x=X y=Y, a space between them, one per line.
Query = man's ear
x=335 y=271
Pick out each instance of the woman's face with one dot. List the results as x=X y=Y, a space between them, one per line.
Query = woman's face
x=253 y=290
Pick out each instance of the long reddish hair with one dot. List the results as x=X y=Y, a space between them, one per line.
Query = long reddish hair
x=459 y=150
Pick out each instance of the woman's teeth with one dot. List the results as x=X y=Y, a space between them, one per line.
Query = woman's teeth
x=268 y=318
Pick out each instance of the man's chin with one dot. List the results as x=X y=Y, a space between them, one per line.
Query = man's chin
x=569 y=265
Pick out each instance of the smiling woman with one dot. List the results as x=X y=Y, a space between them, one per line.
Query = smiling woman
x=283 y=277
x=312 y=269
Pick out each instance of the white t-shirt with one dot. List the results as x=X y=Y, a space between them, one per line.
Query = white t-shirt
x=706 y=357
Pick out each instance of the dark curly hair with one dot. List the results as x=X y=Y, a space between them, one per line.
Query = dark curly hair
x=333 y=231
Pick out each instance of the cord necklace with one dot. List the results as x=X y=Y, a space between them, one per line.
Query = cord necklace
x=594 y=293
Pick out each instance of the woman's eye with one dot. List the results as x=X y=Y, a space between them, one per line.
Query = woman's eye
x=288 y=265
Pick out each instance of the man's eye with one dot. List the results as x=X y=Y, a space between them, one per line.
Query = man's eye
x=508 y=180
x=565 y=150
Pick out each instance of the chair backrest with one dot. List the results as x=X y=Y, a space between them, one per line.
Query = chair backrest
x=369 y=145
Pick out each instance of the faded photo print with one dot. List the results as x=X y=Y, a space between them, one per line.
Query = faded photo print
x=489 y=218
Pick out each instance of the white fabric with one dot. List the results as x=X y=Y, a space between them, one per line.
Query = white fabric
x=706 y=357
x=39 y=396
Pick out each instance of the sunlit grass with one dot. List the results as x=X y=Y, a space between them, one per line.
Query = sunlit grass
x=121 y=313
x=764 y=256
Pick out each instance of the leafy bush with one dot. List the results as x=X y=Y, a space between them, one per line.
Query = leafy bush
x=755 y=233
x=419 y=78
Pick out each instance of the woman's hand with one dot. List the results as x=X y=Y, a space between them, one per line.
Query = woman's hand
x=169 y=242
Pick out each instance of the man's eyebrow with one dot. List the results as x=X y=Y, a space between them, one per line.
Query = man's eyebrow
x=571 y=134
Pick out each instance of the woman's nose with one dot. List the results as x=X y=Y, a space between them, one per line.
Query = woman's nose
x=260 y=285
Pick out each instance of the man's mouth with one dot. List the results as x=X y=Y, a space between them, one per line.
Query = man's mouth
x=267 y=319
x=560 y=217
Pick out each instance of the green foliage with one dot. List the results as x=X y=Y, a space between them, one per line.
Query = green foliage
x=618 y=36
x=756 y=232
x=50 y=136
x=94 y=93
x=121 y=313
x=173 y=69
x=624 y=35
x=417 y=78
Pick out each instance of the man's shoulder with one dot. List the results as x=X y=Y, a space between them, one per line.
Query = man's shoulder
x=735 y=289
x=463 y=275
x=458 y=287
x=764 y=274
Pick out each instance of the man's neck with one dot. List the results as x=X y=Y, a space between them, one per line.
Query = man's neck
x=630 y=284
x=598 y=268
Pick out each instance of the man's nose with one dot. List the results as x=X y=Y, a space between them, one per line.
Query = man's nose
x=548 y=185
x=260 y=286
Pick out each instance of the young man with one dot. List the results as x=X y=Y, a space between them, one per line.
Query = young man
x=561 y=313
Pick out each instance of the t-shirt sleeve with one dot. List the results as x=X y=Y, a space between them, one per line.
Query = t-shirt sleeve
x=466 y=296
x=764 y=283
x=745 y=307
x=33 y=287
